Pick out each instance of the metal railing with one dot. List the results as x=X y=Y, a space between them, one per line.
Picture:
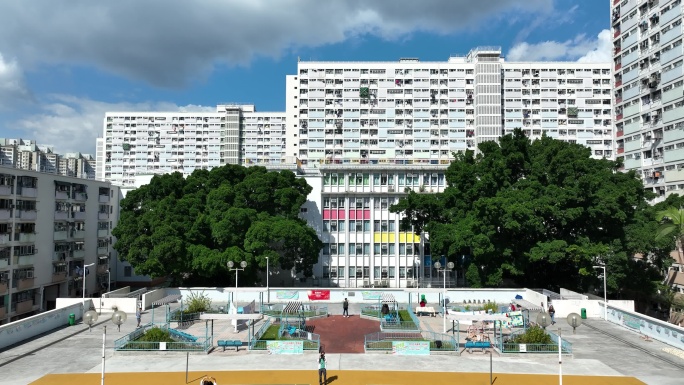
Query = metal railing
x=181 y=317
x=259 y=333
x=399 y=325
x=508 y=346
x=308 y=311
x=382 y=341
x=129 y=342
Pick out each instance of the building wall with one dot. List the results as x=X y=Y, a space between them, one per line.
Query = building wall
x=647 y=81
x=51 y=226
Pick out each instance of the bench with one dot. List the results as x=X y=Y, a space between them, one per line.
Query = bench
x=426 y=310
x=183 y=335
x=230 y=343
x=470 y=345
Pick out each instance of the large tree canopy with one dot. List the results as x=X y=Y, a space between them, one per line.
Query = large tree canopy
x=188 y=229
x=537 y=214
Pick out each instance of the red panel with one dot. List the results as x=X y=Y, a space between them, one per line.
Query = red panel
x=333 y=214
x=341 y=214
x=619 y=133
x=366 y=214
x=326 y=213
x=621 y=150
x=352 y=214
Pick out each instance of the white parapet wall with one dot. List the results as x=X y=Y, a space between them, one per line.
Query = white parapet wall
x=117 y=292
x=17 y=331
x=640 y=323
x=102 y=305
x=151 y=296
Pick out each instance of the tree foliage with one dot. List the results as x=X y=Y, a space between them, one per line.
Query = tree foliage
x=538 y=214
x=188 y=229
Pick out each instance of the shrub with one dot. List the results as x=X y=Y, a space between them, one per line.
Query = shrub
x=493 y=306
x=156 y=335
x=533 y=335
x=198 y=303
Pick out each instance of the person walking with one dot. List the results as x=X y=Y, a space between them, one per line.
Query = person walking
x=322 y=373
x=345 y=308
x=552 y=313
x=138 y=315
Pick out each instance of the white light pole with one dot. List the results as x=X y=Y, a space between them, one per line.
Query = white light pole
x=605 y=292
x=84 y=281
x=104 y=341
x=109 y=280
x=268 y=291
x=560 y=359
x=448 y=267
x=243 y=264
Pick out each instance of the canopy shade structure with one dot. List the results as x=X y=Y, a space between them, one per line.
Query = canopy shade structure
x=167 y=300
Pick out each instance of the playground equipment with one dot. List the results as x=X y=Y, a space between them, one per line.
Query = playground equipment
x=292 y=320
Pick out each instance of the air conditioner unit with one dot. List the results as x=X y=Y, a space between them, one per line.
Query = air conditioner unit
x=29 y=274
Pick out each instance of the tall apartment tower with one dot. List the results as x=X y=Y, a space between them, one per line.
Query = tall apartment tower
x=51 y=227
x=648 y=91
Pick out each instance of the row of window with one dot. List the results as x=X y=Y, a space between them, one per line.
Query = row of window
x=359 y=203
x=378 y=249
x=363 y=179
x=358 y=225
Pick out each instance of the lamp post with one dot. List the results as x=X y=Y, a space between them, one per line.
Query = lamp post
x=268 y=291
x=109 y=280
x=243 y=264
x=605 y=292
x=448 y=267
x=85 y=272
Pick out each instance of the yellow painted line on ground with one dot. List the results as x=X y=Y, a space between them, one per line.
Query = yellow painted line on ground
x=335 y=377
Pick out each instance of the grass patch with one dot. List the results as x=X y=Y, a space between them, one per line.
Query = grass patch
x=404 y=316
x=271 y=334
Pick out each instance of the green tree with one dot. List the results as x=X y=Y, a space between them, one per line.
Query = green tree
x=536 y=214
x=188 y=229
x=672 y=227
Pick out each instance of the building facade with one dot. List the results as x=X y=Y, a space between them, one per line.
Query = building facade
x=51 y=226
x=28 y=155
x=648 y=81
x=361 y=133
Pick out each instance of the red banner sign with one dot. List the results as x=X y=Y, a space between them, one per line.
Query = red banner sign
x=319 y=295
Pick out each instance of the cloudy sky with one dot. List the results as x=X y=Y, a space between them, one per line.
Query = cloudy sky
x=64 y=63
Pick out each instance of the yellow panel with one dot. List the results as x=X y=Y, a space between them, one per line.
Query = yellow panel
x=391 y=238
x=416 y=238
x=376 y=237
x=385 y=238
x=402 y=237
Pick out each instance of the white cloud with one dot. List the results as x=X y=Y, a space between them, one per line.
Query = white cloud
x=72 y=124
x=168 y=42
x=580 y=48
x=12 y=87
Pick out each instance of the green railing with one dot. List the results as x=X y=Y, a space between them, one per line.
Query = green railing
x=129 y=343
x=255 y=340
x=382 y=341
x=313 y=344
x=399 y=325
x=308 y=311
x=180 y=317
x=513 y=347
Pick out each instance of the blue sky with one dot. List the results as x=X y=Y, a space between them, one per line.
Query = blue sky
x=64 y=63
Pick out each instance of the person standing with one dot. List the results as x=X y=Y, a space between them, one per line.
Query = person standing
x=322 y=373
x=138 y=315
x=552 y=313
x=345 y=308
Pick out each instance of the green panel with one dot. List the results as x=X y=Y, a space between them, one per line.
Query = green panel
x=632 y=163
x=673 y=114
x=632 y=128
x=631 y=110
x=632 y=145
x=674 y=155
x=673 y=134
x=672 y=94
x=364 y=92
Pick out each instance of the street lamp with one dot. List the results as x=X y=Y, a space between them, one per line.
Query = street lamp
x=268 y=291
x=85 y=272
x=243 y=264
x=448 y=267
x=109 y=280
x=605 y=292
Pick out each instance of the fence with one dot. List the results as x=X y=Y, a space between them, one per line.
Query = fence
x=255 y=339
x=182 y=318
x=508 y=346
x=129 y=343
x=382 y=341
x=308 y=311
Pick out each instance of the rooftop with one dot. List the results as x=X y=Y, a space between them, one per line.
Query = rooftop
x=599 y=349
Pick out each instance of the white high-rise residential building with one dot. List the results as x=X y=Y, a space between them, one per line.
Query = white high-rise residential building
x=648 y=91
x=137 y=145
x=50 y=227
x=27 y=155
x=361 y=133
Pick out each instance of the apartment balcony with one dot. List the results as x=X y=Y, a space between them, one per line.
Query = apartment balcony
x=5 y=190
x=103 y=251
x=5 y=238
x=3 y=312
x=621 y=150
x=81 y=197
x=28 y=192
x=78 y=234
x=62 y=195
x=78 y=254
x=61 y=215
x=60 y=235
x=25 y=237
x=24 y=260
x=102 y=269
x=102 y=233
x=78 y=215
x=59 y=256
x=103 y=199
x=59 y=277
x=28 y=215
x=618 y=66
x=102 y=215
x=25 y=283
x=3 y=288
x=23 y=307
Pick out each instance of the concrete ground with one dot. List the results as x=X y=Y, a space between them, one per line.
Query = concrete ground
x=75 y=350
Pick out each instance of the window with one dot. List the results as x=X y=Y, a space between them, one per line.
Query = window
x=402 y=272
x=128 y=271
x=340 y=272
x=352 y=271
